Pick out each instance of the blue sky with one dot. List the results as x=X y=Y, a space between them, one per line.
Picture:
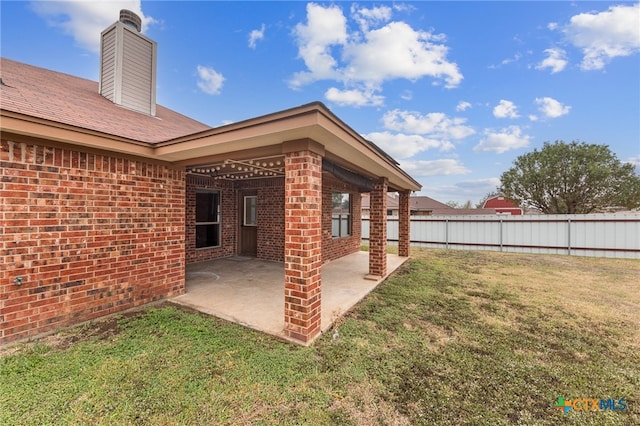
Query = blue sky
x=454 y=91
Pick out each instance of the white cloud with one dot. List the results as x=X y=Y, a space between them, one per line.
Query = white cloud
x=354 y=97
x=503 y=140
x=378 y=51
x=507 y=61
x=400 y=145
x=417 y=133
x=434 y=124
x=489 y=183
x=325 y=27
x=255 y=36
x=635 y=162
x=551 y=108
x=367 y=17
x=515 y=58
x=85 y=20
x=505 y=109
x=461 y=191
x=556 y=60
x=398 y=51
x=442 y=167
x=605 y=35
x=463 y=106
x=209 y=80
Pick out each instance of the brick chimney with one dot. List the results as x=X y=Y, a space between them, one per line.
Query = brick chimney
x=128 y=65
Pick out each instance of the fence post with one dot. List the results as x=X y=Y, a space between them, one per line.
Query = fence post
x=501 y=234
x=446 y=233
x=569 y=236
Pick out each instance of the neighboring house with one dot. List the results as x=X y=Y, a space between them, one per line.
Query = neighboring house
x=502 y=205
x=106 y=196
x=423 y=206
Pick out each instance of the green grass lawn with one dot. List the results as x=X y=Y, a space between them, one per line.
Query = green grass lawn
x=454 y=337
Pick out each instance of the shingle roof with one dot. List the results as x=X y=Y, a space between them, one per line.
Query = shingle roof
x=426 y=204
x=421 y=203
x=75 y=101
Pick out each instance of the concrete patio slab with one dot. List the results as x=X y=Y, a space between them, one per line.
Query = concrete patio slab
x=250 y=291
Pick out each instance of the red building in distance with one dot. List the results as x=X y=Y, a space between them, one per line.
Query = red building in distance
x=502 y=205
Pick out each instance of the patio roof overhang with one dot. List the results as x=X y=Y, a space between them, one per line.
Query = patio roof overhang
x=264 y=136
x=253 y=139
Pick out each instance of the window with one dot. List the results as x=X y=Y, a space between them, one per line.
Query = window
x=207 y=219
x=250 y=211
x=340 y=214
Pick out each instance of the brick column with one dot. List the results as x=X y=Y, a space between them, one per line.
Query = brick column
x=378 y=230
x=404 y=216
x=303 y=244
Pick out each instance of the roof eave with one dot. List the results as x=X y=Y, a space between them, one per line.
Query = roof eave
x=313 y=121
x=33 y=127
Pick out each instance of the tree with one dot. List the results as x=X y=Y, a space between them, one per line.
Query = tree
x=457 y=205
x=571 y=178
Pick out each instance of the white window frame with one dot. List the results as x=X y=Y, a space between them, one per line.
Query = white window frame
x=251 y=219
x=340 y=218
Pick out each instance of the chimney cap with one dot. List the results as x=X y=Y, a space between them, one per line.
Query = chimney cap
x=130 y=19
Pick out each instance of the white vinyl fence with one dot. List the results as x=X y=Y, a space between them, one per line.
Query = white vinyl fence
x=598 y=235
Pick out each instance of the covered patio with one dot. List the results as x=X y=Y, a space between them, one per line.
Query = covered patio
x=249 y=291
x=287 y=187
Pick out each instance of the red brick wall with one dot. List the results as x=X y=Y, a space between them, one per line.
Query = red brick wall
x=303 y=245
x=378 y=229
x=90 y=234
x=270 y=194
x=404 y=225
x=335 y=248
x=271 y=219
x=228 y=216
x=271 y=223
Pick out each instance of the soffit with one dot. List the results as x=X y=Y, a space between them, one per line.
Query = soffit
x=341 y=144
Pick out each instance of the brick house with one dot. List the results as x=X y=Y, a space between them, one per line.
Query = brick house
x=424 y=206
x=106 y=196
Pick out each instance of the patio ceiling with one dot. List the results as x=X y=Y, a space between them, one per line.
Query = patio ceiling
x=253 y=168
x=268 y=135
x=271 y=166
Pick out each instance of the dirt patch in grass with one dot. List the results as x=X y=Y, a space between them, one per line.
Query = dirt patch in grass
x=99 y=329
x=437 y=336
x=363 y=405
